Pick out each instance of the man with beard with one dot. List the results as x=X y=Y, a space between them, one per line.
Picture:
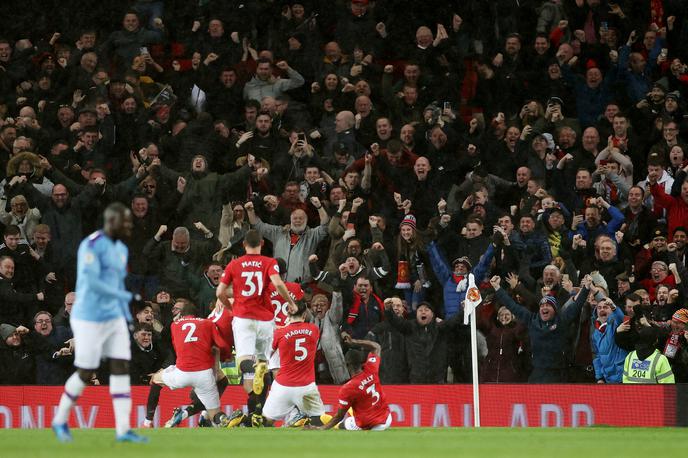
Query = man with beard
x=203 y=287
x=640 y=220
x=295 y=242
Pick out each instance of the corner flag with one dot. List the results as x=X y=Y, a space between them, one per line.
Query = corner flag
x=473 y=299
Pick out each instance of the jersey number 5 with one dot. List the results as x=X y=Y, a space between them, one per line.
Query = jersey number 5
x=300 y=353
x=373 y=392
x=190 y=337
x=254 y=283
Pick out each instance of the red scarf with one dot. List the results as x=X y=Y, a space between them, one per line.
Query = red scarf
x=356 y=306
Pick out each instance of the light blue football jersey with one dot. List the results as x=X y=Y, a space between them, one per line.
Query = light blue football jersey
x=101 y=270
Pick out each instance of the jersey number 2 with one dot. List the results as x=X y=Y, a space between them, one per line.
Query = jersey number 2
x=300 y=353
x=254 y=283
x=190 y=337
x=373 y=392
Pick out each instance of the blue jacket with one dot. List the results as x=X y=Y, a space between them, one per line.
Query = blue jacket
x=590 y=102
x=548 y=339
x=453 y=299
x=534 y=243
x=609 y=228
x=609 y=357
x=638 y=85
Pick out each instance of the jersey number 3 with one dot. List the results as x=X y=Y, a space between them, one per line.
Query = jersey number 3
x=373 y=392
x=254 y=284
x=190 y=337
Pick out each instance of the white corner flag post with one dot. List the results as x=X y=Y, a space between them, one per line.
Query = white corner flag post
x=473 y=299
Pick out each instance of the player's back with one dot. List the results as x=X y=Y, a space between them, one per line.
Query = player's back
x=101 y=270
x=297 y=343
x=280 y=305
x=223 y=321
x=249 y=277
x=364 y=393
x=193 y=339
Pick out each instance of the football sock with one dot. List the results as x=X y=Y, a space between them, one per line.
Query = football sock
x=120 y=391
x=73 y=389
x=222 y=385
x=152 y=402
x=315 y=421
x=196 y=404
x=252 y=402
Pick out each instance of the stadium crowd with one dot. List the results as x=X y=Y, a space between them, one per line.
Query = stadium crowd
x=384 y=149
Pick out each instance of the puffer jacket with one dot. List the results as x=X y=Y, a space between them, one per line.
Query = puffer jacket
x=608 y=359
x=454 y=294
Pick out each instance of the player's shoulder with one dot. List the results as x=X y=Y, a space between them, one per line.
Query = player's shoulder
x=93 y=240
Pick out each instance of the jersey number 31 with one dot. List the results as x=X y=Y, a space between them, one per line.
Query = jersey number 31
x=254 y=284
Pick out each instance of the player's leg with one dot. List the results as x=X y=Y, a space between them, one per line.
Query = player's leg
x=206 y=389
x=152 y=405
x=279 y=404
x=383 y=426
x=117 y=348
x=245 y=347
x=88 y=341
x=311 y=405
x=265 y=331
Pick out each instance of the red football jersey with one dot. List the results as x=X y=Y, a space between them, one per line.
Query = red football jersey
x=297 y=344
x=364 y=394
x=249 y=276
x=193 y=339
x=280 y=304
x=223 y=321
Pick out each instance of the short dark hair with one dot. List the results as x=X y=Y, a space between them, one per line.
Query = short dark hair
x=188 y=309
x=355 y=358
x=253 y=238
x=680 y=229
x=633 y=297
x=12 y=229
x=263 y=60
x=143 y=327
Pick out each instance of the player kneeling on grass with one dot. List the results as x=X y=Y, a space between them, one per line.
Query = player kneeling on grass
x=363 y=393
x=193 y=340
x=294 y=386
x=222 y=317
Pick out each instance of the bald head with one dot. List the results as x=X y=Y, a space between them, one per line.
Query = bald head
x=344 y=121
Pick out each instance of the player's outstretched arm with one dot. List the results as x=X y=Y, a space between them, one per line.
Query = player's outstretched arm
x=372 y=347
x=334 y=421
x=282 y=290
x=221 y=294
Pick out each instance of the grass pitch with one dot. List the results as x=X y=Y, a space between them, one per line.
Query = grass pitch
x=397 y=443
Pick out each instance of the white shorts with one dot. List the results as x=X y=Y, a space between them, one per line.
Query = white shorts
x=252 y=338
x=282 y=399
x=95 y=340
x=274 y=362
x=203 y=382
x=350 y=424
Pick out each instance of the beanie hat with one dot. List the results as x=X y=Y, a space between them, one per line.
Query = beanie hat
x=462 y=260
x=409 y=220
x=681 y=315
x=551 y=300
x=6 y=330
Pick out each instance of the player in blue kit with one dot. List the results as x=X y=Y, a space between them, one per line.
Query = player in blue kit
x=99 y=321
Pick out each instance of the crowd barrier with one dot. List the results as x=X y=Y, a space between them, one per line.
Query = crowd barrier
x=411 y=405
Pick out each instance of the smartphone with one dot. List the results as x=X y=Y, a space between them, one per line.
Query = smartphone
x=301 y=136
x=447 y=106
x=626 y=319
x=144 y=50
x=664 y=52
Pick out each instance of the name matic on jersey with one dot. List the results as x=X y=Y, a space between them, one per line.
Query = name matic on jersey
x=245 y=264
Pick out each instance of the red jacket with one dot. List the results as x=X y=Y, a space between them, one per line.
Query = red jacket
x=676 y=207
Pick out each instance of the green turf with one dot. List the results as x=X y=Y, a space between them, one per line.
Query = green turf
x=397 y=443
